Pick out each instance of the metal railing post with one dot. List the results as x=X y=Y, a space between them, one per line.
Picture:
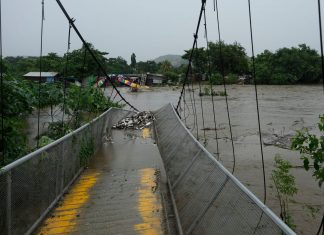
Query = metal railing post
x=8 y=207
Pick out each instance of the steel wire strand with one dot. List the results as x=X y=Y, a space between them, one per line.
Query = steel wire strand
x=257 y=103
x=40 y=73
x=80 y=89
x=201 y=102
x=92 y=54
x=224 y=85
x=65 y=75
x=210 y=81
x=203 y=2
x=192 y=106
x=194 y=102
x=2 y=146
x=321 y=39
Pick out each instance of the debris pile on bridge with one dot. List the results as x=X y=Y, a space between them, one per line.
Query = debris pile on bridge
x=137 y=121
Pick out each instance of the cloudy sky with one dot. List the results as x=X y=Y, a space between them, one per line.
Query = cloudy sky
x=151 y=28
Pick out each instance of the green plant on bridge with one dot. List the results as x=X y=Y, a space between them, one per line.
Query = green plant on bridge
x=311 y=148
x=86 y=150
x=284 y=183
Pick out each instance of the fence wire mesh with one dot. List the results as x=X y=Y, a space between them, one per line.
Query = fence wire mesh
x=209 y=200
x=29 y=186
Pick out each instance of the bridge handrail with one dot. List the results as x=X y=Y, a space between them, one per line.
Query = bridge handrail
x=31 y=186
x=265 y=209
x=176 y=159
x=50 y=145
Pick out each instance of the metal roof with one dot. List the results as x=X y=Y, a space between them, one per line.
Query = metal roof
x=44 y=74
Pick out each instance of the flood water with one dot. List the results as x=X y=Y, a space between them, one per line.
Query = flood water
x=283 y=110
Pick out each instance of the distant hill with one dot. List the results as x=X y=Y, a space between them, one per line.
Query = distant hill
x=175 y=60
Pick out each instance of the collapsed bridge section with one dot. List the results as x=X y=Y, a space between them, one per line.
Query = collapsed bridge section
x=207 y=198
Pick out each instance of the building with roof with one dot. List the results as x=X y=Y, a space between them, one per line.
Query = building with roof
x=45 y=76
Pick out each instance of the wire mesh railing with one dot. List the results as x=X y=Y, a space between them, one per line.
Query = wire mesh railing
x=31 y=186
x=208 y=199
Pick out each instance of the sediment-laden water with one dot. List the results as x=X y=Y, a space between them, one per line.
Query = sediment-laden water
x=283 y=110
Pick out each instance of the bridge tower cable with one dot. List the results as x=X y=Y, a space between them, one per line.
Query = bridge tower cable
x=40 y=71
x=194 y=104
x=66 y=74
x=224 y=84
x=101 y=67
x=201 y=100
x=203 y=3
x=210 y=81
x=321 y=39
x=2 y=146
x=81 y=86
x=257 y=103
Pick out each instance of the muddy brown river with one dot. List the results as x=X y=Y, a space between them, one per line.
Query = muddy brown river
x=283 y=110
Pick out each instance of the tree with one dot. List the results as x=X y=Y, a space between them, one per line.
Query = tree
x=288 y=66
x=118 y=66
x=147 y=67
x=165 y=67
x=199 y=60
x=234 y=59
x=81 y=64
x=133 y=61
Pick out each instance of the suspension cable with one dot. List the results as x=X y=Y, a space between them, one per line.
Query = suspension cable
x=210 y=81
x=2 y=95
x=101 y=67
x=40 y=73
x=194 y=104
x=257 y=103
x=321 y=39
x=224 y=84
x=65 y=75
x=201 y=101
x=80 y=89
x=203 y=2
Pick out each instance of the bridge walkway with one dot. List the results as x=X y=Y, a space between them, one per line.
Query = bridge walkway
x=123 y=191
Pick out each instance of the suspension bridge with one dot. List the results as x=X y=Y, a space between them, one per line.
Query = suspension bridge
x=156 y=180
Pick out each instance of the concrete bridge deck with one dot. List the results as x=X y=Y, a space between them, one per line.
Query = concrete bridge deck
x=123 y=191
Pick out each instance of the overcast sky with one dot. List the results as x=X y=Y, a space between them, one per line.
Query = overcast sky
x=151 y=28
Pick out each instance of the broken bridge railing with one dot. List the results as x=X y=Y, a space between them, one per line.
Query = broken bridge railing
x=207 y=198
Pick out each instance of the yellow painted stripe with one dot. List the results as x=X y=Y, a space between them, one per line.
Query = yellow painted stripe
x=64 y=217
x=148 y=205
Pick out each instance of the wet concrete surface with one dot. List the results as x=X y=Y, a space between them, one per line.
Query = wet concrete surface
x=283 y=110
x=123 y=191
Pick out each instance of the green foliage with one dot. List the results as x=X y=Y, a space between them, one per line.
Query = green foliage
x=14 y=140
x=18 y=102
x=86 y=151
x=284 y=183
x=57 y=130
x=147 y=67
x=288 y=66
x=172 y=76
x=231 y=78
x=311 y=148
x=44 y=140
x=235 y=60
x=216 y=79
x=118 y=66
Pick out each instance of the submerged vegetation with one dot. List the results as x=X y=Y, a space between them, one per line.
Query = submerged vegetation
x=311 y=148
x=285 y=186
